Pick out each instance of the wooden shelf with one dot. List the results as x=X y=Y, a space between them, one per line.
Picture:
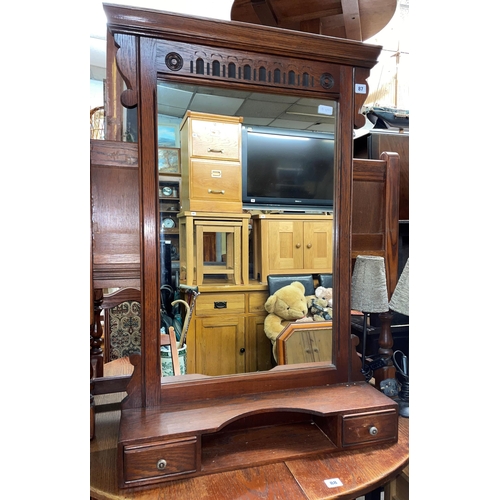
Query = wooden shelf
x=279 y=442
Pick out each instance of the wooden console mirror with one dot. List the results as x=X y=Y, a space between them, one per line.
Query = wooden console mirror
x=152 y=52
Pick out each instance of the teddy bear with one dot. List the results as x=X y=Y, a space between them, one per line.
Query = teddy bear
x=319 y=310
x=287 y=304
x=324 y=293
x=320 y=304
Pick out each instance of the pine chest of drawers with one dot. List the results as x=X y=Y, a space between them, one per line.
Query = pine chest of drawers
x=211 y=163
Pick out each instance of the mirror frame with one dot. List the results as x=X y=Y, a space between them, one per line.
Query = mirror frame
x=137 y=42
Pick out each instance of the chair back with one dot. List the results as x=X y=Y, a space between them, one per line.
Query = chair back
x=325 y=280
x=169 y=339
x=275 y=282
x=122 y=323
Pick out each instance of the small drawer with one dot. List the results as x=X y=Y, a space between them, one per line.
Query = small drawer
x=220 y=303
x=256 y=301
x=215 y=181
x=159 y=459
x=215 y=140
x=369 y=427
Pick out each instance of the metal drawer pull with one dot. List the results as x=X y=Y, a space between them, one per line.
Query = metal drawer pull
x=161 y=464
x=210 y=150
x=215 y=191
x=220 y=305
x=373 y=430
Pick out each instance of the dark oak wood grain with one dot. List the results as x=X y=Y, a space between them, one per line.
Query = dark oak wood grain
x=190 y=420
x=360 y=471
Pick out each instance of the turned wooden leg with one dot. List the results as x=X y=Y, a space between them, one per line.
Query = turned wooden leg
x=96 y=354
x=385 y=343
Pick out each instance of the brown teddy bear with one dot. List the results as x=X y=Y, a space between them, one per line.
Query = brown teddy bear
x=286 y=305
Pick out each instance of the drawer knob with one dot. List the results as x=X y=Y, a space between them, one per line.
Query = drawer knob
x=161 y=464
x=373 y=430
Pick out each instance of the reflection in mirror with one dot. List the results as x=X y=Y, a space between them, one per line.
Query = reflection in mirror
x=287 y=143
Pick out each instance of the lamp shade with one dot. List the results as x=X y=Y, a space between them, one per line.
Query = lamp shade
x=400 y=300
x=369 y=285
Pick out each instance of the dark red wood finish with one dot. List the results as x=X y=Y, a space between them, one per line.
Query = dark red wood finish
x=153 y=45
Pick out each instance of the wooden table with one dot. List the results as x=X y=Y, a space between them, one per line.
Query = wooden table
x=359 y=471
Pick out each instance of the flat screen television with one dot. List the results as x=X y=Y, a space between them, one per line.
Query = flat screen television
x=287 y=169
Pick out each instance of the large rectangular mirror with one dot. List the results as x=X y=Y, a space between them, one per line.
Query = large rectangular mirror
x=286 y=167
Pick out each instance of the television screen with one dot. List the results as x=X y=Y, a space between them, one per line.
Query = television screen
x=287 y=169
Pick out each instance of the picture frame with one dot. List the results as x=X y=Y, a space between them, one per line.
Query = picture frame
x=168 y=132
x=169 y=160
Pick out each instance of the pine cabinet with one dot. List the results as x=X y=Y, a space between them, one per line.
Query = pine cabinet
x=226 y=332
x=285 y=244
x=211 y=163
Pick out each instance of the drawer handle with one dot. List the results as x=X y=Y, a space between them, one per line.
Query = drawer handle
x=215 y=191
x=220 y=305
x=373 y=430
x=161 y=464
x=211 y=150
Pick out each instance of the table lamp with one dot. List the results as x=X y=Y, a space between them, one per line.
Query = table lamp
x=368 y=294
x=400 y=302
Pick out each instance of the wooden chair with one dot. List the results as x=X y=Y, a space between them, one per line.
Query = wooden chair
x=375 y=212
x=168 y=339
x=122 y=323
x=122 y=337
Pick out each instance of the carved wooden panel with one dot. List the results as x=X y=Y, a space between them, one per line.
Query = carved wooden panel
x=177 y=58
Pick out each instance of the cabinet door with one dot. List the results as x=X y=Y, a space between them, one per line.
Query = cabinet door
x=258 y=346
x=318 y=245
x=285 y=239
x=219 y=341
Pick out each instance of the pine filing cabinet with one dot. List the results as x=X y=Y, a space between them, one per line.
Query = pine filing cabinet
x=211 y=163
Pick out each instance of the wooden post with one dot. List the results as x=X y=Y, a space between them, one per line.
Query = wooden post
x=385 y=343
